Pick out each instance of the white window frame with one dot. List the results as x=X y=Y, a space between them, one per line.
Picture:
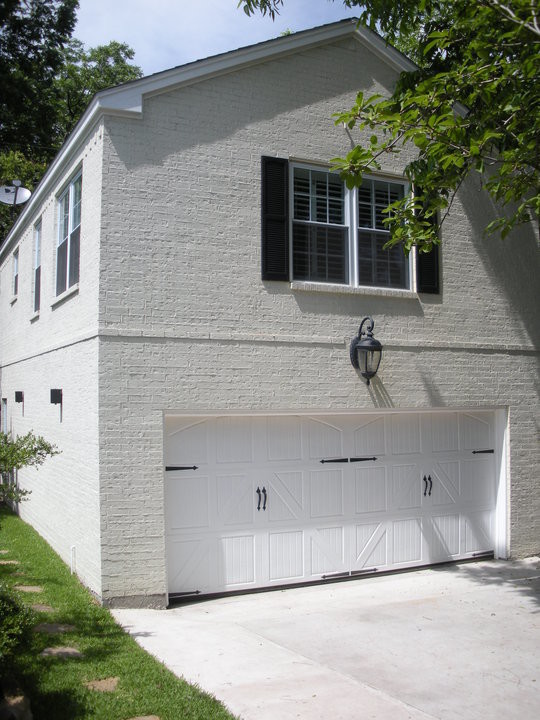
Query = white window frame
x=37 y=266
x=351 y=224
x=68 y=196
x=15 y=273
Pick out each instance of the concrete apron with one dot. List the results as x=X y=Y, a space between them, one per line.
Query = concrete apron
x=457 y=641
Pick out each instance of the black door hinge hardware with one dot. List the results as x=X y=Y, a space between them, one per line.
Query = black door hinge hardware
x=425 y=485
x=181 y=467
x=363 y=572
x=265 y=498
x=327 y=460
x=336 y=575
x=363 y=459
x=483 y=452
x=186 y=592
x=430 y=484
x=258 y=491
x=346 y=460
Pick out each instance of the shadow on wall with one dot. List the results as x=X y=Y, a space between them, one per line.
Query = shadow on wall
x=514 y=263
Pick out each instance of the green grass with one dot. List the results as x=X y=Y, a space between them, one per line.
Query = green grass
x=55 y=686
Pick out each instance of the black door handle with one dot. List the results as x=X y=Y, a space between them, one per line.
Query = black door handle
x=264 y=493
x=425 y=486
x=258 y=491
x=430 y=484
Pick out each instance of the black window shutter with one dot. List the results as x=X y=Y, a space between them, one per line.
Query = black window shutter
x=275 y=218
x=428 y=269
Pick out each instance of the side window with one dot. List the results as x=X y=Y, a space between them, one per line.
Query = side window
x=37 y=266
x=15 y=281
x=69 y=230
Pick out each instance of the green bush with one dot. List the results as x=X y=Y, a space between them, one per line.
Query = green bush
x=16 y=622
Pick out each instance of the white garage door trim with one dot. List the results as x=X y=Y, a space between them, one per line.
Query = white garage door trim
x=298 y=536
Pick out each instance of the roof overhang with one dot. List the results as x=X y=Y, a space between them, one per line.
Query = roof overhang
x=127 y=99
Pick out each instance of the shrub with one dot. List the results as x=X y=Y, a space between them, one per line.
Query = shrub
x=16 y=621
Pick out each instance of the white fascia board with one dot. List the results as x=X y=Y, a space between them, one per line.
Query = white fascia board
x=127 y=99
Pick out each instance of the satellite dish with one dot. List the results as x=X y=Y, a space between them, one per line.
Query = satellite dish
x=14 y=194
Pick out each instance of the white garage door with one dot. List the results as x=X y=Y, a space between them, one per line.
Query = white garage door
x=260 y=501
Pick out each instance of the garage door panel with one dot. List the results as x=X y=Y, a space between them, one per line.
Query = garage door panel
x=475 y=431
x=444 y=541
x=187 y=504
x=446 y=485
x=235 y=500
x=285 y=497
x=371 y=546
x=324 y=439
x=326 y=493
x=407 y=541
x=327 y=550
x=443 y=428
x=478 y=482
x=405 y=431
x=477 y=532
x=286 y=555
x=284 y=438
x=234 y=440
x=370 y=437
x=406 y=487
x=187 y=443
x=190 y=564
x=370 y=490
x=236 y=560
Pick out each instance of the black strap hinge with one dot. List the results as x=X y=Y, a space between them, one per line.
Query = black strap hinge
x=181 y=467
x=483 y=452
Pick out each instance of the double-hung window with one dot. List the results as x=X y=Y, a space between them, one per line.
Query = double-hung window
x=338 y=235
x=37 y=266
x=69 y=230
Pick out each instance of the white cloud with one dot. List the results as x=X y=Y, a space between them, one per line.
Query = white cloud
x=166 y=33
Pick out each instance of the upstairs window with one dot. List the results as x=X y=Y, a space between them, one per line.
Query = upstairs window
x=15 y=283
x=69 y=230
x=338 y=235
x=37 y=266
x=315 y=230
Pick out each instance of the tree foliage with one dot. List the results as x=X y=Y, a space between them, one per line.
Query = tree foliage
x=471 y=107
x=15 y=453
x=47 y=80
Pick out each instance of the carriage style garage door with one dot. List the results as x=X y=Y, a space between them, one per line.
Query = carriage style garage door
x=259 y=501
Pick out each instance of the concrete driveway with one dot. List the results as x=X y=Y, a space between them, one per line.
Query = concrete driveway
x=458 y=641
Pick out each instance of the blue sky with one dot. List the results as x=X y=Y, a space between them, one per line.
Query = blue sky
x=166 y=33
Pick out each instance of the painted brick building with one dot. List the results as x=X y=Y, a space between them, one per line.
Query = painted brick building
x=205 y=372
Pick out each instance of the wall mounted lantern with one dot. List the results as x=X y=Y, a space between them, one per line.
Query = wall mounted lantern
x=19 y=396
x=366 y=352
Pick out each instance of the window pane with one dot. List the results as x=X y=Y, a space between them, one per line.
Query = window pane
x=320 y=253
x=37 y=246
x=319 y=196
x=37 y=288
x=76 y=200
x=61 y=267
x=301 y=194
x=384 y=268
x=74 y=249
x=63 y=219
